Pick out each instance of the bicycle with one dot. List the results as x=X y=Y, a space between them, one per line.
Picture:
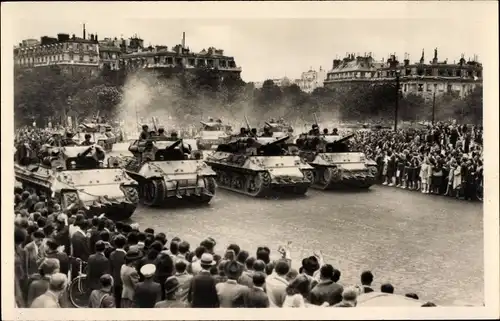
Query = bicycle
x=78 y=291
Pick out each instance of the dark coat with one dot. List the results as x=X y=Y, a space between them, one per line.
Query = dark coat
x=63 y=260
x=98 y=265
x=116 y=260
x=62 y=238
x=326 y=291
x=256 y=298
x=202 y=292
x=147 y=293
x=80 y=246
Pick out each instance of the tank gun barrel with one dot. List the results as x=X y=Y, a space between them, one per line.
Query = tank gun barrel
x=268 y=124
x=280 y=140
x=344 y=139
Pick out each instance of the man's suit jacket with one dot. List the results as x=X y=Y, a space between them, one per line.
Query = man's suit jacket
x=30 y=258
x=231 y=294
x=98 y=265
x=80 y=246
x=256 y=298
x=116 y=260
x=147 y=293
x=130 y=278
x=202 y=292
x=326 y=291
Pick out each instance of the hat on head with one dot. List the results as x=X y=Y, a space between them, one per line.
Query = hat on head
x=148 y=270
x=207 y=259
x=232 y=270
x=171 y=284
x=134 y=255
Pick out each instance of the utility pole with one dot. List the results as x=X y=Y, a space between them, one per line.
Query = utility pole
x=397 y=102
x=434 y=104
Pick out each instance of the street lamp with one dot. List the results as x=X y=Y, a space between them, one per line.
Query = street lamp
x=398 y=72
x=434 y=104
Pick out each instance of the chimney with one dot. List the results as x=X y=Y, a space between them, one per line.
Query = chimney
x=95 y=37
x=183 y=40
x=84 y=31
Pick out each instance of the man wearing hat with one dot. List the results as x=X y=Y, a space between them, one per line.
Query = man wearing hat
x=129 y=277
x=202 y=292
x=147 y=293
x=171 y=286
x=231 y=293
x=116 y=260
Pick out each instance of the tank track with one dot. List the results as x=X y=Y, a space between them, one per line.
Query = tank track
x=330 y=177
x=258 y=184
x=154 y=193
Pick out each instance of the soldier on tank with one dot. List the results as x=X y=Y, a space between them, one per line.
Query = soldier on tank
x=68 y=140
x=243 y=132
x=267 y=132
x=325 y=131
x=145 y=131
x=161 y=132
x=335 y=131
x=254 y=132
x=87 y=141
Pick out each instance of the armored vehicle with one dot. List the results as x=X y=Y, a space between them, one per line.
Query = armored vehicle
x=165 y=170
x=259 y=166
x=76 y=176
x=335 y=166
x=277 y=129
x=102 y=134
x=212 y=134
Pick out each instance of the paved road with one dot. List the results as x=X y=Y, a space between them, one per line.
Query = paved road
x=430 y=245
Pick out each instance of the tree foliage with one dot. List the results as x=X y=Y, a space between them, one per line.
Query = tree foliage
x=41 y=93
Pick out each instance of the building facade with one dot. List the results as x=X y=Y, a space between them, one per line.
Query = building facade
x=421 y=78
x=311 y=80
x=129 y=54
x=64 y=51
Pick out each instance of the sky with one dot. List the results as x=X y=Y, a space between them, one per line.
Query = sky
x=283 y=39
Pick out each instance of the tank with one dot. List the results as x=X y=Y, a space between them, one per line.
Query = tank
x=165 y=169
x=102 y=134
x=211 y=135
x=260 y=166
x=335 y=166
x=76 y=176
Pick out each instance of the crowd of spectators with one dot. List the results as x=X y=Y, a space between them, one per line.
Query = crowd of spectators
x=128 y=267
x=442 y=159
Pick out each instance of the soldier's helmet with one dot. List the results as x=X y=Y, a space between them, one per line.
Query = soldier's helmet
x=69 y=134
x=87 y=136
x=173 y=134
x=161 y=130
x=315 y=126
x=210 y=119
x=145 y=127
x=219 y=121
x=272 y=120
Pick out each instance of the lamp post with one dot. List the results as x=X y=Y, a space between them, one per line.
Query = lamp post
x=434 y=104
x=397 y=101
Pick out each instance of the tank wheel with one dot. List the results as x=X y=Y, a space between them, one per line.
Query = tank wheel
x=257 y=184
x=153 y=192
x=131 y=194
x=237 y=182
x=210 y=185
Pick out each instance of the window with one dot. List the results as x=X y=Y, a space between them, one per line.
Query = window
x=81 y=57
x=191 y=61
x=71 y=56
x=405 y=87
x=420 y=87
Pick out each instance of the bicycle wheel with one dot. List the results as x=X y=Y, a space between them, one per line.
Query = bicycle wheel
x=78 y=292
